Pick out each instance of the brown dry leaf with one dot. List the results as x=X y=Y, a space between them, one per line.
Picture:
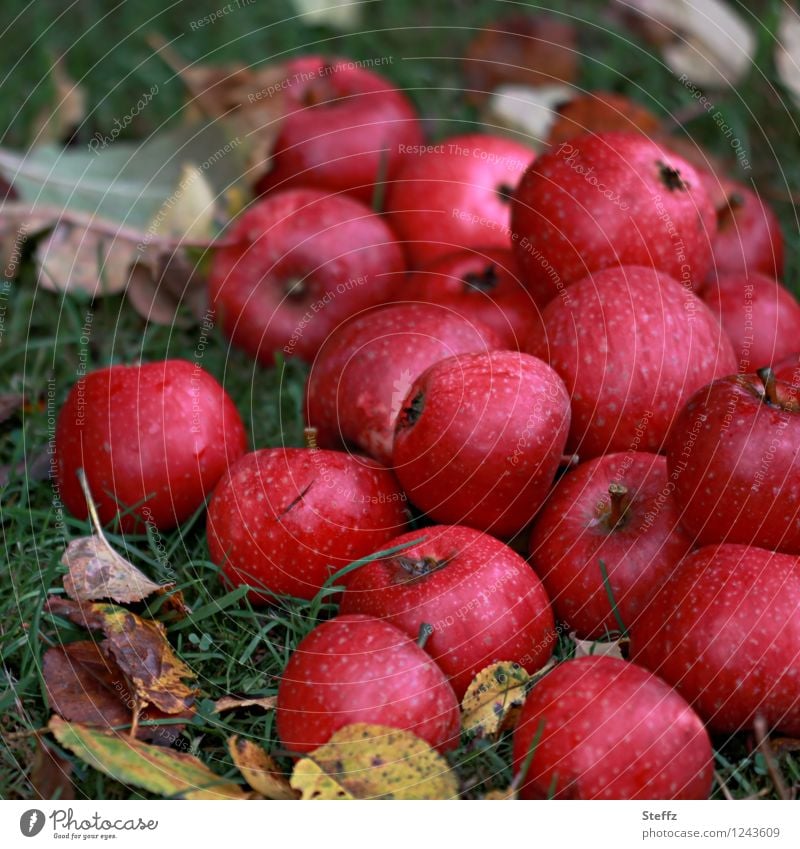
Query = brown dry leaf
x=787 y=51
x=96 y=571
x=259 y=770
x=705 y=40
x=784 y=745
x=176 y=775
x=140 y=648
x=507 y=794
x=232 y=703
x=601 y=112
x=51 y=775
x=159 y=286
x=529 y=111
x=85 y=685
x=587 y=648
x=522 y=50
x=494 y=699
x=67 y=111
x=374 y=762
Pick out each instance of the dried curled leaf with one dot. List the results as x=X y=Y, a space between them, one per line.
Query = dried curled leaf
x=601 y=112
x=259 y=770
x=787 y=51
x=530 y=111
x=494 y=699
x=140 y=648
x=176 y=775
x=67 y=110
x=705 y=40
x=232 y=703
x=587 y=648
x=338 y=14
x=51 y=775
x=374 y=762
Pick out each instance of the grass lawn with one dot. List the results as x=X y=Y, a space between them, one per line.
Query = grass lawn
x=46 y=338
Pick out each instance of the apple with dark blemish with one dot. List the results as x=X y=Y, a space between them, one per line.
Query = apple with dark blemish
x=283 y=520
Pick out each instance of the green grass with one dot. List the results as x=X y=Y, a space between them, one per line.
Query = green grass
x=233 y=647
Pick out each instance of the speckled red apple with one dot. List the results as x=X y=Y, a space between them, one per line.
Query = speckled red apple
x=479 y=439
x=363 y=372
x=601 y=728
x=286 y=519
x=725 y=632
x=607 y=199
x=356 y=668
x=617 y=509
x=632 y=345
x=481 y=599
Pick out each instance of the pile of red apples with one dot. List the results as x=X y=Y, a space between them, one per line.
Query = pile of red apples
x=559 y=392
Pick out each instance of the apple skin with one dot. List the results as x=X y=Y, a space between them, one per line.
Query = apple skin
x=636 y=534
x=749 y=237
x=342 y=122
x=761 y=318
x=356 y=668
x=610 y=199
x=481 y=285
x=455 y=195
x=483 y=601
x=734 y=457
x=610 y=730
x=154 y=437
x=479 y=439
x=288 y=518
x=724 y=630
x=358 y=382
x=632 y=345
x=788 y=369
x=343 y=253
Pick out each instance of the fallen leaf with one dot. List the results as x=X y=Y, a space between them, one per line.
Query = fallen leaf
x=85 y=685
x=51 y=775
x=140 y=648
x=374 y=762
x=787 y=51
x=784 y=745
x=494 y=699
x=601 y=112
x=521 y=50
x=338 y=14
x=259 y=770
x=232 y=703
x=587 y=648
x=705 y=40
x=67 y=110
x=529 y=111
x=96 y=571
x=508 y=793
x=176 y=775
x=165 y=282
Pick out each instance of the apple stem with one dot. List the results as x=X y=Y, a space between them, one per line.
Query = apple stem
x=482 y=281
x=569 y=460
x=618 y=504
x=310 y=438
x=767 y=376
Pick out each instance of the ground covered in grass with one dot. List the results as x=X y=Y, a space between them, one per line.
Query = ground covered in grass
x=46 y=340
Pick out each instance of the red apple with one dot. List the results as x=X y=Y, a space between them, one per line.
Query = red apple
x=364 y=371
x=725 y=632
x=358 y=669
x=618 y=510
x=482 y=285
x=304 y=262
x=749 y=237
x=346 y=128
x=761 y=318
x=286 y=519
x=733 y=456
x=479 y=439
x=454 y=195
x=601 y=728
x=607 y=199
x=481 y=600
x=632 y=345
x=152 y=439
x=788 y=369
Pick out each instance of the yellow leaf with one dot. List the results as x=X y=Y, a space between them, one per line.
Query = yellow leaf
x=259 y=770
x=155 y=768
x=494 y=699
x=374 y=762
x=587 y=648
x=495 y=795
x=232 y=703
